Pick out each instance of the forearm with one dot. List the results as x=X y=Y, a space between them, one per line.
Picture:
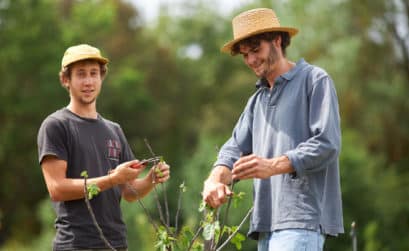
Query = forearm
x=137 y=189
x=281 y=165
x=220 y=174
x=73 y=189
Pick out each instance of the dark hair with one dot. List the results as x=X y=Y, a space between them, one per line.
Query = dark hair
x=66 y=71
x=254 y=41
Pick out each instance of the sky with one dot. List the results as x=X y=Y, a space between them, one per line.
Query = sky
x=150 y=8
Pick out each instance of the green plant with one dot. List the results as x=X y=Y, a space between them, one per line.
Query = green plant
x=215 y=232
x=89 y=192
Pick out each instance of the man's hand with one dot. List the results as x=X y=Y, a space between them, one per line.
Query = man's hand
x=126 y=171
x=252 y=166
x=215 y=193
x=159 y=173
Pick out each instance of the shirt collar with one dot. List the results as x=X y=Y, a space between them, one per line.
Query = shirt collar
x=262 y=82
x=291 y=73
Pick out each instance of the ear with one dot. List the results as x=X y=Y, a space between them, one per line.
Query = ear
x=65 y=82
x=277 y=41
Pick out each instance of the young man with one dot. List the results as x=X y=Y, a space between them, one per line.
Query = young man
x=287 y=140
x=77 y=138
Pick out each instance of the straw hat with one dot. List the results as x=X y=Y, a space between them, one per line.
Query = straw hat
x=253 y=22
x=80 y=52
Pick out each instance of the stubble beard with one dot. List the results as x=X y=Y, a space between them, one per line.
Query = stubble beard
x=270 y=61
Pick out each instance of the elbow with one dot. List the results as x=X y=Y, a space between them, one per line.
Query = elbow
x=333 y=150
x=55 y=196
x=130 y=197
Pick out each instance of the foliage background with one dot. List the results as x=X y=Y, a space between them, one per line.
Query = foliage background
x=168 y=82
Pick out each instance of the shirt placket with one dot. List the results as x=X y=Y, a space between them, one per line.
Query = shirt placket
x=274 y=94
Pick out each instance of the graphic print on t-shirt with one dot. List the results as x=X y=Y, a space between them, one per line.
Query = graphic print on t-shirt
x=114 y=149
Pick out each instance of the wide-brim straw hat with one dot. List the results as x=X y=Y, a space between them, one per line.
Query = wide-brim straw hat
x=253 y=22
x=81 y=52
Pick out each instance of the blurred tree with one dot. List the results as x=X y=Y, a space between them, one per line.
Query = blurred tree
x=30 y=40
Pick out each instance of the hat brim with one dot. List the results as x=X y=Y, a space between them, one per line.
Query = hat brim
x=226 y=48
x=85 y=57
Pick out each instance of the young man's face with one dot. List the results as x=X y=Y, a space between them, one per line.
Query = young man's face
x=261 y=59
x=85 y=82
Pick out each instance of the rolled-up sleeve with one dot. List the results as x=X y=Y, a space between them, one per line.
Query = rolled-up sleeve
x=322 y=148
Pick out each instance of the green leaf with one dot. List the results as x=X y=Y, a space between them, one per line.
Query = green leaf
x=84 y=174
x=237 y=240
x=237 y=198
x=182 y=187
x=202 y=206
x=159 y=172
x=210 y=229
x=93 y=190
x=208 y=232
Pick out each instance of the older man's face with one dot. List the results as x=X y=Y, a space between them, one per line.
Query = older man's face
x=261 y=59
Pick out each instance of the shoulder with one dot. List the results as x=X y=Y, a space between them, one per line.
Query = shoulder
x=55 y=119
x=315 y=73
x=116 y=127
x=53 y=127
x=110 y=123
x=313 y=76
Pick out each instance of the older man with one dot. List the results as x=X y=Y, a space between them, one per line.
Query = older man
x=287 y=140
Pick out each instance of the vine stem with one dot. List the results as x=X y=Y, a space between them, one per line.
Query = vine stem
x=165 y=196
x=178 y=209
x=94 y=220
x=195 y=237
x=165 y=222
x=226 y=213
x=143 y=207
x=147 y=214
x=234 y=233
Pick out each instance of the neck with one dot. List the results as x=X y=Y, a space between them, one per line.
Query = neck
x=85 y=110
x=282 y=66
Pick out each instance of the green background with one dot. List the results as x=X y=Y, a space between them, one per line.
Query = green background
x=186 y=104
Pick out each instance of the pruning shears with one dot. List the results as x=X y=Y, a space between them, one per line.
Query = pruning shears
x=153 y=160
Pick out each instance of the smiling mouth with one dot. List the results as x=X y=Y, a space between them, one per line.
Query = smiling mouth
x=258 y=67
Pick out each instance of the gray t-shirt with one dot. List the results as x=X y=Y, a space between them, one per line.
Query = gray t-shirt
x=94 y=145
x=298 y=118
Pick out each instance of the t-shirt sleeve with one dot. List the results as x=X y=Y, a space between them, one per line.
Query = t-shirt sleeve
x=52 y=140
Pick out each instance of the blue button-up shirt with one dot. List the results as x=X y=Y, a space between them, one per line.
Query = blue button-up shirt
x=298 y=118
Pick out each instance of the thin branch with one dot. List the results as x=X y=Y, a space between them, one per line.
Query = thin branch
x=143 y=207
x=158 y=204
x=215 y=239
x=178 y=208
x=94 y=220
x=149 y=147
x=199 y=230
x=392 y=25
x=165 y=196
x=234 y=233
x=226 y=213
x=147 y=214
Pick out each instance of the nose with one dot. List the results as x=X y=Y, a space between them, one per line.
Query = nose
x=88 y=80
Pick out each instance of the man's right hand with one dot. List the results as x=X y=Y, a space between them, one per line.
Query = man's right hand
x=215 y=190
x=126 y=172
